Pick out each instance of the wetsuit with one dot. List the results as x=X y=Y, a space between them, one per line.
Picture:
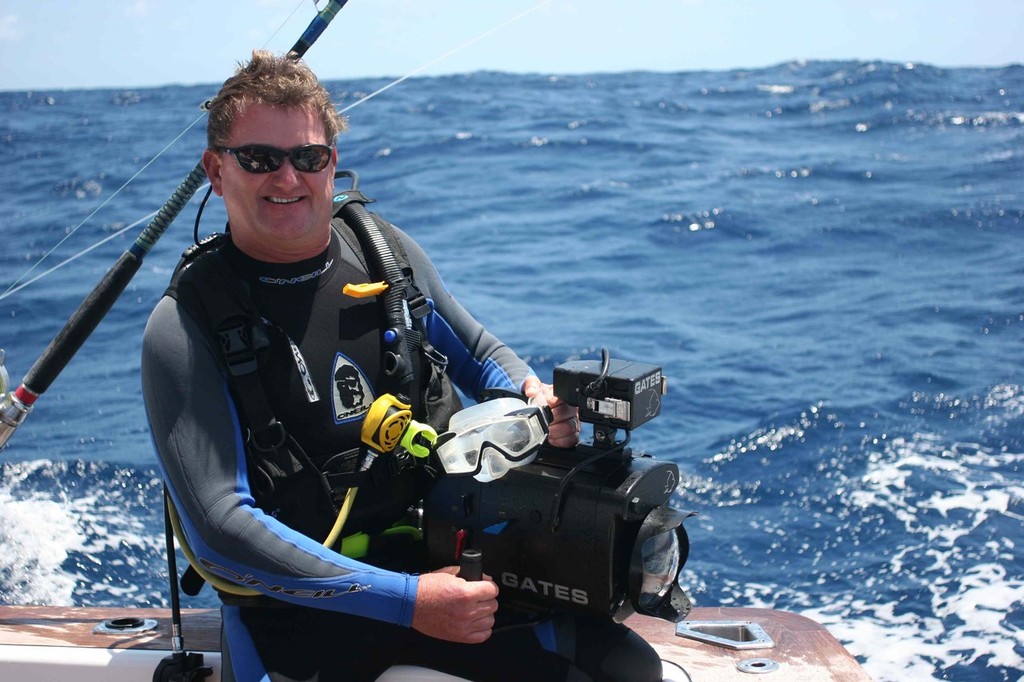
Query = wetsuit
x=331 y=616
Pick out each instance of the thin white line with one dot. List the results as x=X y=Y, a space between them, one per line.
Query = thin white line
x=15 y=289
x=448 y=54
x=14 y=285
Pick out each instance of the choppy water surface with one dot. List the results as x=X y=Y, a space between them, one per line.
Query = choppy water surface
x=825 y=258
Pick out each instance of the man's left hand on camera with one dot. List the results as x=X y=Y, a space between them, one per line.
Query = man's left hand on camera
x=564 y=429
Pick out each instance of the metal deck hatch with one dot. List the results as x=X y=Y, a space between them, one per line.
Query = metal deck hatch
x=732 y=634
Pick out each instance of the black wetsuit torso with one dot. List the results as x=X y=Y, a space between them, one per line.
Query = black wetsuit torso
x=341 y=618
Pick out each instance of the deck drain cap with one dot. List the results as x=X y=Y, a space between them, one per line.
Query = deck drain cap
x=757 y=666
x=121 y=626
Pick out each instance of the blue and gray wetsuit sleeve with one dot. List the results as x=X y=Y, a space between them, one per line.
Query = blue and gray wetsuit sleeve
x=477 y=360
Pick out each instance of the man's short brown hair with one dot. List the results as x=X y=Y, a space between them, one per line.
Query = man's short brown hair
x=275 y=80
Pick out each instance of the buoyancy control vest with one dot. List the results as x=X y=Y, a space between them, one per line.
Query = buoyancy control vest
x=305 y=490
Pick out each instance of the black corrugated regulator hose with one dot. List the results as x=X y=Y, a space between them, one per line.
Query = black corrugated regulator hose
x=396 y=358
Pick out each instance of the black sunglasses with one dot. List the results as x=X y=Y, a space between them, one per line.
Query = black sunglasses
x=262 y=158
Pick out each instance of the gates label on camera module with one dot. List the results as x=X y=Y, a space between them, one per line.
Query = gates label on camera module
x=545 y=588
x=651 y=404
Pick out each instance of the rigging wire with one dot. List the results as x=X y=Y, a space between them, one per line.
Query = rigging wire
x=16 y=287
x=289 y=18
x=20 y=283
x=449 y=53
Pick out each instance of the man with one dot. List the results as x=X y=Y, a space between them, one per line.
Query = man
x=257 y=426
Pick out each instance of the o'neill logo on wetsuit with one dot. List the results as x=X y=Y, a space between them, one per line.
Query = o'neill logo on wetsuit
x=266 y=279
x=351 y=396
x=250 y=581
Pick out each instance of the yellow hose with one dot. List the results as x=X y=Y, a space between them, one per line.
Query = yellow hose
x=339 y=523
x=225 y=585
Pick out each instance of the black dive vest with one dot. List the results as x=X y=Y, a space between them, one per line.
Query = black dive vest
x=303 y=489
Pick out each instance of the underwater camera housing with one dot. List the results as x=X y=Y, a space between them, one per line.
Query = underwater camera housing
x=585 y=529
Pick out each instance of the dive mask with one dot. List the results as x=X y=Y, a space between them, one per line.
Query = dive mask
x=488 y=439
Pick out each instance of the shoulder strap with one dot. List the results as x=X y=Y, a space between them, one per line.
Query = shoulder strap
x=226 y=307
x=405 y=306
x=398 y=360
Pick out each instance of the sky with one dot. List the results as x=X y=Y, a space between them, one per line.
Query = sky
x=57 y=44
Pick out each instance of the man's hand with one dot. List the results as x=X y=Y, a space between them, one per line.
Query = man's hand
x=564 y=429
x=450 y=608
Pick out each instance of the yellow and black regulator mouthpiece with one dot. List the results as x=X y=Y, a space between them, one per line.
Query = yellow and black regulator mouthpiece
x=389 y=425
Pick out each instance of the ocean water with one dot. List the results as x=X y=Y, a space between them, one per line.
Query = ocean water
x=826 y=258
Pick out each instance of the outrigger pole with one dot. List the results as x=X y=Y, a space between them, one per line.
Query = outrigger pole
x=16 y=405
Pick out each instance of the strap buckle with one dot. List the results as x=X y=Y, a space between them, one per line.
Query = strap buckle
x=237 y=343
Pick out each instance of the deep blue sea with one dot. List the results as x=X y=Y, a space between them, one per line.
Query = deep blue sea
x=826 y=258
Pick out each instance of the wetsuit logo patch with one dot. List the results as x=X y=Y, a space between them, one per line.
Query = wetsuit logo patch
x=351 y=394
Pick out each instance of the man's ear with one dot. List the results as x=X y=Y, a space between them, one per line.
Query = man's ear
x=212 y=164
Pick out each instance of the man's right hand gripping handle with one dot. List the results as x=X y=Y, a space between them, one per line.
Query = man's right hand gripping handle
x=451 y=608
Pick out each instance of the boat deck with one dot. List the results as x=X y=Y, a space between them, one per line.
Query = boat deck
x=46 y=643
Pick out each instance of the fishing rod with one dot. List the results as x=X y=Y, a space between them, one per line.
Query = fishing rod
x=15 y=405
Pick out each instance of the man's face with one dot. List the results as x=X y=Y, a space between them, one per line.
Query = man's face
x=282 y=216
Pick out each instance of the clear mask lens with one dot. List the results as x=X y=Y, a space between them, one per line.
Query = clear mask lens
x=488 y=439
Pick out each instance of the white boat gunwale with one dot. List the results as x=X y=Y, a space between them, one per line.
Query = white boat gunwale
x=65 y=636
